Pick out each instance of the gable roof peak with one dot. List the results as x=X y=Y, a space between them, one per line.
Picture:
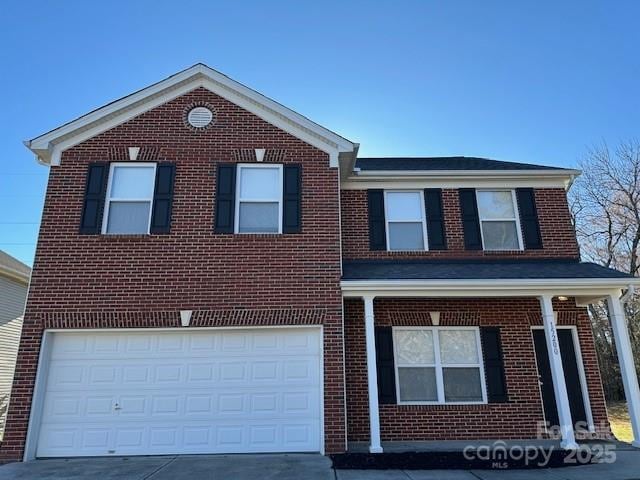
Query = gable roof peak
x=49 y=146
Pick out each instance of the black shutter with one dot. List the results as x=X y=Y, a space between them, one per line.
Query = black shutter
x=292 y=199
x=494 y=365
x=163 y=198
x=470 y=220
x=225 y=198
x=377 y=233
x=435 y=219
x=93 y=206
x=385 y=365
x=529 y=218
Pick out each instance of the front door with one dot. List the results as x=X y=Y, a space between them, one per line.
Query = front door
x=571 y=376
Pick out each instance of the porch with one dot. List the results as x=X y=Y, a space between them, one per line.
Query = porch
x=518 y=297
x=478 y=455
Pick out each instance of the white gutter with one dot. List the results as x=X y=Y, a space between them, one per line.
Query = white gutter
x=466 y=173
x=14 y=274
x=575 y=287
x=493 y=283
x=628 y=294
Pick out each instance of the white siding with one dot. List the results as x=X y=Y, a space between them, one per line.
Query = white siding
x=12 y=299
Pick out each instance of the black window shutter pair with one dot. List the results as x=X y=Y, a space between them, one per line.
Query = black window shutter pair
x=493 y=365
x=434 y=213
x=96 y=189
x=226 y=198
x=527 y=211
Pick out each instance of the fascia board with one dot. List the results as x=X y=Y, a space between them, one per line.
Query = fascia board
x=486 y=287
x=51 y=145
x=14 y=275
x=458 y=181
x=465 y=173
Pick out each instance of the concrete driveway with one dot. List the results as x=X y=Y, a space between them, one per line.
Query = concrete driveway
x=288 y=467
x=187 y=467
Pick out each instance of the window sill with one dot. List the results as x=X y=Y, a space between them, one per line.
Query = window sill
x=445 y=406
x=117 y=237
x=503 y=252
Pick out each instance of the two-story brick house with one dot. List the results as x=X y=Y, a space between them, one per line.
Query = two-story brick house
x=216 y=273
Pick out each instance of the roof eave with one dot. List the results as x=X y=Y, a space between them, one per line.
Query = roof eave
x=364 y=179
x=388 y=174
x=14 y=274
x=488 y=287
x=48 y=147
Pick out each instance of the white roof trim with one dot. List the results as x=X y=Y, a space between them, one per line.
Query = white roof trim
x=486 y=287
x=364 y=179
x=468 y=173
x=49 y=146
x=15 y=274
x=459 y=178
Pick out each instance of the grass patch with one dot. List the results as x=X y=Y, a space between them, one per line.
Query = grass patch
x=619 y=419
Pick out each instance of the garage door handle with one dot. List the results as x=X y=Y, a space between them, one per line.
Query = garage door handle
x=117 y=407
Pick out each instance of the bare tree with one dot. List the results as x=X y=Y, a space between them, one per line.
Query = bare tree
x=605 y=203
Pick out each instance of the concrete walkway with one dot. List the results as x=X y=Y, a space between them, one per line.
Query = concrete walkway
x=626 y=467
x=288 y=467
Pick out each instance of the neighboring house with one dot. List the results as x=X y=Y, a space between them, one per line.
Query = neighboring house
x=216 y=273
x=14 y=281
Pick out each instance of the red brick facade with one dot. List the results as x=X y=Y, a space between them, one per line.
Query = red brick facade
x=89 y=281
x=558 y=236
x=516 y=419
x=143 y=281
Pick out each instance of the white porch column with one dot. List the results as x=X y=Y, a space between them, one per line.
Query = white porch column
x=557 y=374
x=372 y=375
x=627 y=366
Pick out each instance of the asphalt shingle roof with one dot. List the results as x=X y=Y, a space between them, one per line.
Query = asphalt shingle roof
x=474 y=270
x=443 y=163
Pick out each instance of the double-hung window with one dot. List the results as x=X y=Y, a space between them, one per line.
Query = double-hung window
x=405 y=216
x=499 y=222
x=437 y=365
x=259 y=199
x=129 y=198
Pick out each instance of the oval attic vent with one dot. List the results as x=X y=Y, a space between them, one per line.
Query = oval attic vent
x=200 y=117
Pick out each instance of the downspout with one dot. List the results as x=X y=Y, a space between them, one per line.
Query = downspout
x=628 y=294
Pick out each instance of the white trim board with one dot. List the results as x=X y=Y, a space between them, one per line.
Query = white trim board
x=571 y=287
x=463 y=179
x=15 y=275
x=48 y=147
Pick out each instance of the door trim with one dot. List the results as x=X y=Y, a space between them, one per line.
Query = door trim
x=42 y=372
x=581 y=373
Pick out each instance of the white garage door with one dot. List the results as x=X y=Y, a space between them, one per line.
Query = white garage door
x=209 y=391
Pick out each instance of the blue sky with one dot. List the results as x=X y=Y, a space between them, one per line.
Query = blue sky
x=513 y=80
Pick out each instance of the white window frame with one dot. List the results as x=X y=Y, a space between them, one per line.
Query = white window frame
x=108 y=199
x=423 y=212
x=516 y=218
x=439 y=366
x=238 y=198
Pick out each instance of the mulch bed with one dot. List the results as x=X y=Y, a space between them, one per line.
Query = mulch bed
x=483 y=459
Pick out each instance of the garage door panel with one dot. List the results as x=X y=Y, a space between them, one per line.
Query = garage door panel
x=234 y=342
x=197 y=392
x=142 y=439
x=103 y=374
